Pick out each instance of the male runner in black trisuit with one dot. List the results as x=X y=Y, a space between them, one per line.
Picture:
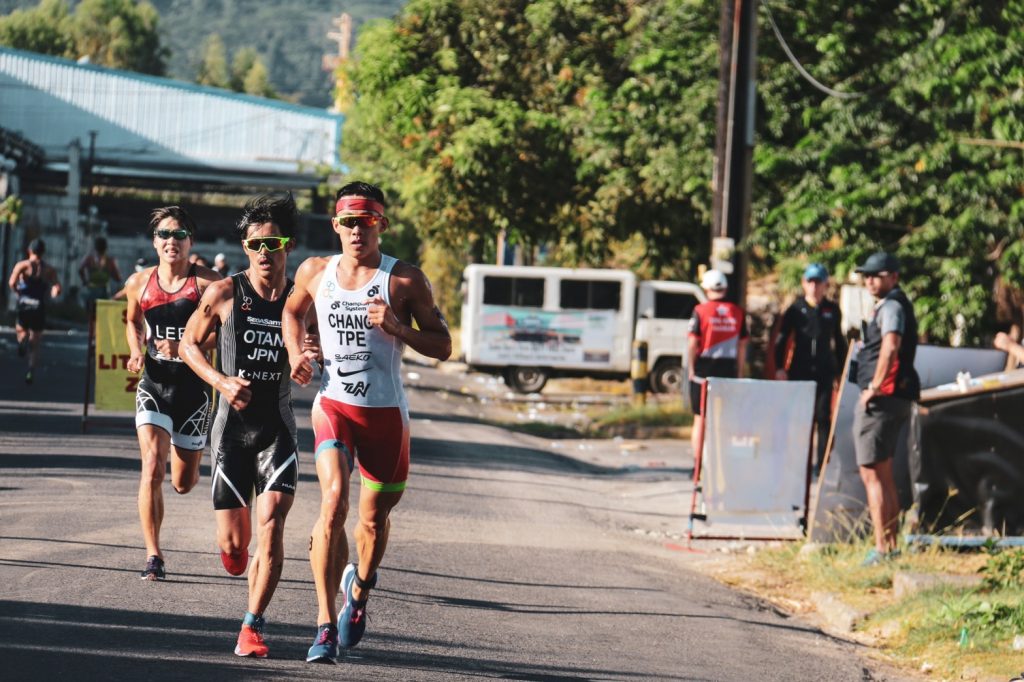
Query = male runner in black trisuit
x=254 y=443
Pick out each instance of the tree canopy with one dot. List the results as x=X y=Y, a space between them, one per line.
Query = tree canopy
x=121 y=34
x=587 y=127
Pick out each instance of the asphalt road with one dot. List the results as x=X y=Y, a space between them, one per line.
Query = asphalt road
x=511 y=557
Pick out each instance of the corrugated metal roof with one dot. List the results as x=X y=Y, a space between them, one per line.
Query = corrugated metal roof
x=152 y=122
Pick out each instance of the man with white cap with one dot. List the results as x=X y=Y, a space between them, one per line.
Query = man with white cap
x=717 y=343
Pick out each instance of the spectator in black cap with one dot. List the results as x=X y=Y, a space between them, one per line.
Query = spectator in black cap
x=34 y=282
x=889 y=386
x=811 y=347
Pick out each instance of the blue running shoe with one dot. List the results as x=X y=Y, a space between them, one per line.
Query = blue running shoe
x=154 y=569
x=325 y=646
x=352 y=617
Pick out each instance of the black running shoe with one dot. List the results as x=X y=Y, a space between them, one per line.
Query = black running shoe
x=154 y=569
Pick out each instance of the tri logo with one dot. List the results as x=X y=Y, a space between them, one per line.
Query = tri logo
x=359 y=388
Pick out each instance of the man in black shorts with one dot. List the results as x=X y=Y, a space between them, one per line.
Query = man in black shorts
x=34 y=282
x=889 y=386
x=172 y=404
x=254 y=446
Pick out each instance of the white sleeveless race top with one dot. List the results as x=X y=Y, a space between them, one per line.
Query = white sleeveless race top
x=362 y=364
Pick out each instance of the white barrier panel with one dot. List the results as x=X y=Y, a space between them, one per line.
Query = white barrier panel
x=754 y=468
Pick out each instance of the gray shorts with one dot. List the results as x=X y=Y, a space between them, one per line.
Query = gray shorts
x=876 y=429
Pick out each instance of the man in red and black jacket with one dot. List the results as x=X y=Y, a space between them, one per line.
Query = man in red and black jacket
x=811 y=347
x=717 y=343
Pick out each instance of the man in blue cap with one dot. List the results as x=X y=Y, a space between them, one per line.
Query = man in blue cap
x=889 y=386
x=811 y=347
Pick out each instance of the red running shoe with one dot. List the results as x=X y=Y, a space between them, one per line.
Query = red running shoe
x=235 y=563
x=250 y=641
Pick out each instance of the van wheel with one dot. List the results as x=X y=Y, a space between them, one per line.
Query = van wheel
x=667 y=377
x=526 y=379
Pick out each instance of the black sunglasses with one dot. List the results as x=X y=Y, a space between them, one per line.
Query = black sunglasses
x=180 y=234
x=271 y=244
x=364 y=221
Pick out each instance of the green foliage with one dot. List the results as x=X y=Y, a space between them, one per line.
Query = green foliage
x=898 y=169
x=522 y=117
x=45 y=28
x=121 y=34
x=213 y=70
x=10 y=209
x=1004 y=570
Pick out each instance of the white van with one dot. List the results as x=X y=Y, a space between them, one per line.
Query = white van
x=531 y=323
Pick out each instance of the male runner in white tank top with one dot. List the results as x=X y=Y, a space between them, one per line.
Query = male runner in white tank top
x=366 y=303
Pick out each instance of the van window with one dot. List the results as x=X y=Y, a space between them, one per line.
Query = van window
x=670 y=305
x=519 y=291
x=590 y=294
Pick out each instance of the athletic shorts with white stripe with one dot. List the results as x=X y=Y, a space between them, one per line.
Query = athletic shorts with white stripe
x=251 y=459
x=181 y=408
x=377 y=437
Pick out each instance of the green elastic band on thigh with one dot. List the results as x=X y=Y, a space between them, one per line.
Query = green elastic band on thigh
x=384 y=487
x=327 y=445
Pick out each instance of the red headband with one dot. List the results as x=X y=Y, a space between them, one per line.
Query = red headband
x=358 y=205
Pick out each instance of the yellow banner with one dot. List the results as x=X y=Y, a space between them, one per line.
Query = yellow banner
x=115 y=385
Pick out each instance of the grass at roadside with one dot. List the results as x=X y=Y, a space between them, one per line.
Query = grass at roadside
x=569 y=422
x=661 y=414
x=951 y=631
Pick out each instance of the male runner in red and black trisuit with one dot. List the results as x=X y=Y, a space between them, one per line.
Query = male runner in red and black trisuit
x=717 y=344
x=34 y=282
x=366 y=303
x=172 y=404
x=253 y=442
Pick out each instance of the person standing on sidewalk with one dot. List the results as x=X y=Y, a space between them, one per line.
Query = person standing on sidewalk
x=34 y=282
x=811 y=347
x=366 y=303
x=717 y=344
x=889 y=387
x=254 y=445
x=172 y=404
x=97 y=270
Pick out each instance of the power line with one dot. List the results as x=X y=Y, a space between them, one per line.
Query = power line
x=800 y=67
x=937 y=30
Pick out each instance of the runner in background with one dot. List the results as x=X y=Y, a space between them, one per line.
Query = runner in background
x=717 y=344
x=366 y=304
x=172 y=404
x=34 y=282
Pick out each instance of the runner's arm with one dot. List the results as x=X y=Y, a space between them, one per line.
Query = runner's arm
x=202 y=327
x=430 y=335
x=293 y=321
x=51 y=278
x=135 y=320
x=15 y=276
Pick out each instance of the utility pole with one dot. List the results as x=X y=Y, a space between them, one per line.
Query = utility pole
x=333 y=62
x=734 y=145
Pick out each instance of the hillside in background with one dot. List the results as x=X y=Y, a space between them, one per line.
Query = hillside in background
x=290 y=36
